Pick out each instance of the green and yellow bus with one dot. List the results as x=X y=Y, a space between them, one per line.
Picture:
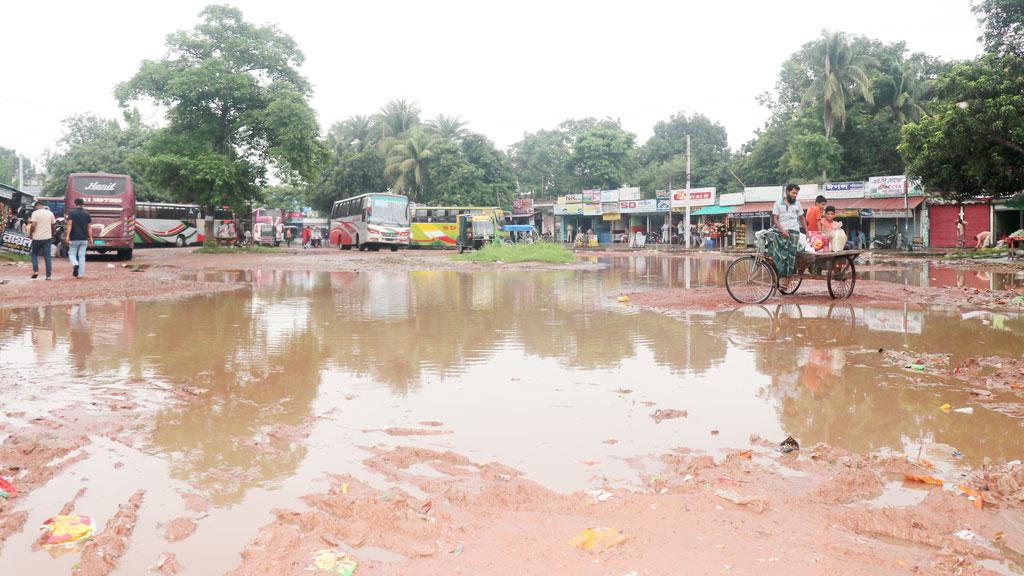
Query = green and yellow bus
x=437 y=226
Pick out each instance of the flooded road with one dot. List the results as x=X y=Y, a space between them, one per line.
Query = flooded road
x=542 y=371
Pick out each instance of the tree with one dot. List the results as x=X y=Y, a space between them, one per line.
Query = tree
x=236 y=108
x=94 y=144
x=709 y=153
x=972 y=143
x=396 y=118
x=349 y=172
x=603 y=157
x=448 y=127
x=811 y=155
x=839 y=74
x=1002 y=23
x=408 y=161
x=541 y=163
x=355 y=132
x=9 y=166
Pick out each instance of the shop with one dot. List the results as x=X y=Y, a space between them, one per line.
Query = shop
x=15 y=208
x=714 y=226
x=1008 y=216
x=942 y=218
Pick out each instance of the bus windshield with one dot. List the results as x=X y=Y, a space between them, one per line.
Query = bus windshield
x=392 y=210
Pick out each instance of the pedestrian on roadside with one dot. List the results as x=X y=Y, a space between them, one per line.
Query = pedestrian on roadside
x=40 y=229
x=983 y=238
x=288 y=236
x=680 y=239
x=961 y=230
x=664 y=231
x=306 y=233
x=317 y=237
x=79 y=236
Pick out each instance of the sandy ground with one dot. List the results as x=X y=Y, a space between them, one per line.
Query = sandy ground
x=816 y=510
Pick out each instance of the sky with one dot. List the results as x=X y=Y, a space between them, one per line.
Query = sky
x=505 y=68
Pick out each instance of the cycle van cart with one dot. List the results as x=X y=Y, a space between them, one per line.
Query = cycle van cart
x=754 y=279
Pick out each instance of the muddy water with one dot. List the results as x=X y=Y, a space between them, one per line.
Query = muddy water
x=539 y=371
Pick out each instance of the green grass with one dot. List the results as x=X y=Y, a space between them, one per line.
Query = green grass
x=212 y=249
x=536 y=252
x=971 y=254
x=10 y=257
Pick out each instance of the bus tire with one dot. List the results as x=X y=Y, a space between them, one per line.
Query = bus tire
x=360 y=247
x=374 y=247
x=124 y=254
x=180 y=241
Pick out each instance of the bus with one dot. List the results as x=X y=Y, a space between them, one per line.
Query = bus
x=370 y=221
x=163 y=224
x=110 y=200
x=225 y=228
x=265 y=223
x=437 y=226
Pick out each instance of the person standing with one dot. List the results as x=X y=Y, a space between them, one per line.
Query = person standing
x=40 y=228
x=961 y=230
x=288 y=236
x=306 y=233
x=79 y=236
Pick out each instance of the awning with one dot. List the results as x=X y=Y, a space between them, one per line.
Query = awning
x=753 y=210
x=888 y=203
x=713 y=210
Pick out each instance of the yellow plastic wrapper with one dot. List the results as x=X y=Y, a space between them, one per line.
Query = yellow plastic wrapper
x=598 y=539
x=335 y=562
x=68 y=530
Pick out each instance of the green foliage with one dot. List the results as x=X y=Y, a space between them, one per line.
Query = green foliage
x=349 y=172
x=286 y=198
x=11 y=257
x=811 y=156
x=94 y=144
x=663 y=156
x=838 y=73
x=408 y=163
x=1002 y=23
x=603 y=157
x=508 y=253
x=236 y=107
x=971 y=144
x=9 y=166
x=448 y=127
x=541 y=161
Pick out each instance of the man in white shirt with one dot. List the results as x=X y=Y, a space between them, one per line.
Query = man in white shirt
x=787 y=219
x=40 y=228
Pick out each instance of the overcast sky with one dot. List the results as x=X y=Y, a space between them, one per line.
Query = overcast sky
x=506 y=68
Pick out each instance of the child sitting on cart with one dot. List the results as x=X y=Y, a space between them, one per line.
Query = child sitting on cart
x=833 y=231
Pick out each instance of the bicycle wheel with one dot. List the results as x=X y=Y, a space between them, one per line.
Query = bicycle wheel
x=842 y=277
x=750 y=280
x=789 y=284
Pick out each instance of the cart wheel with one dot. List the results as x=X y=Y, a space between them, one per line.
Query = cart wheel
x=751 y=280
x=789 y=284
x=842 y=276
x=745 y=325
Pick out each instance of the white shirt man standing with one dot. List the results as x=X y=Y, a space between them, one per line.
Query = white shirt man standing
x=40 y=228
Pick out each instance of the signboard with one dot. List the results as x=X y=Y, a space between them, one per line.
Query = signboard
x=890 y=213
x=629 y=194
x=611 y=217
x=734 y=199
x=890 y=320
x=610 y=207
x=807 y=192
x=16 y=242
x=522 y=206
x=892 y=187
x=568 y=209
x=570 y=199
x=662 y=194
x=663 y=204
x=837 y=190
x=698 y=197
x=609 y=196
x=636 y=206
x=762 y=193
x=590 y=196
x=591 y=209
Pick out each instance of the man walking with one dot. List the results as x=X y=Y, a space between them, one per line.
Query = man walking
x=40 y=228
x=79 y=237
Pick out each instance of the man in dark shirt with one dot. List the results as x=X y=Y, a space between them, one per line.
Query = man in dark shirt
x=79 y=237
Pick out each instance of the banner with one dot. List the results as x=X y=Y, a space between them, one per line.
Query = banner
x=522 y=206
x=698 y=197
x=570 y=199
x=662 y=194
x=762 y=193
x=838 y=190
x=734 y=199
x=16 y=242
x=637 y=206
x=892 y=187
x=629 y=194
x=663 y=204
x=568 y=209
x=610 y=207
x=609 y=196
x=590 y=196
x=591 y=209
x=611 y=217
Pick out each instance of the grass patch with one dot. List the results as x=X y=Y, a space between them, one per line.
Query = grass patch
x=972 y=254
x=213 y=249
x=11 y=257
x=536 y=252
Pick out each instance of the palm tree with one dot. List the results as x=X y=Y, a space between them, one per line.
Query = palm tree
x=448 y=127
x=839 y=75
x=396 y=118
x=355 y=131
x=408 y=161
x=905 y=90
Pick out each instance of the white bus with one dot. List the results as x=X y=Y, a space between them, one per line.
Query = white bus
x=162 y=224
x=370 y=221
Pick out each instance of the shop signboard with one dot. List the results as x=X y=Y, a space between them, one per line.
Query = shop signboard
x=762 y=193
x=608 y=196
x=892 y=187
x=838 y=190
x=629 y=194
x=663 y=204
x=890 y=214
x=611 y=217
x=610 y=207
x=591 y=209
x=16 y=242
x=698 y=197
x=662 y=194
x=522 y=206
x=627 y=206
x=570 y=199
x=734 y=199
x=568 y=209
x=808 y=192
x=648 y=205
x=590 y=196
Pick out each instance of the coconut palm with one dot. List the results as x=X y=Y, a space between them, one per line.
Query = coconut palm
x=408 y=161
x=904 y=90
x=448 y=127
x=396 y=118
x=839 y=76
x=355 y=131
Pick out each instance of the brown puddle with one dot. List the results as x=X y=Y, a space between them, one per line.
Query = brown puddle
x=293 y=378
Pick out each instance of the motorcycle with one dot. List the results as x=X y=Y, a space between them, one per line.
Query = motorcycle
x=887 y=243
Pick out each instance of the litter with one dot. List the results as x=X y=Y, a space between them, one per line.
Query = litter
x=758 y=504
x=918 y=367
x=667 y=414
x=335 y=562
x=788 y=445
x=975 y=496
x=980 y=392
x=623 y=298
x=458 y=549
x=964 y=534
x=946 y=408
x=746 y=454
x=922 y=479
x=599 y=495
x=958 y=454
x=68 y=530
x=7 y=489
x=598 y=538
x=967 y=410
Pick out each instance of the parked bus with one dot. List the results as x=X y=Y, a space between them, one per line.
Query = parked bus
x=370 y=221
x=110 y=200
x=438 y=226
x=225 y=227
x=162 y=224
x=265 y=222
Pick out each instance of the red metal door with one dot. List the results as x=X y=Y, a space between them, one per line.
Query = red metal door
x=942 y=224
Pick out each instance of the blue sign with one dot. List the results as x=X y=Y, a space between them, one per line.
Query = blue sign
x=843 y=186
x=664 y=205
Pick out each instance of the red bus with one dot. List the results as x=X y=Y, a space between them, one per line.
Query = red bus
x=110 y=200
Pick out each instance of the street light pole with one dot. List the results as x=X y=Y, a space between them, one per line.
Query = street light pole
x=687 y=228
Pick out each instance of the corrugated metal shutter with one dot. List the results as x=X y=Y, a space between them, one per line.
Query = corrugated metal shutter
x=942 y=224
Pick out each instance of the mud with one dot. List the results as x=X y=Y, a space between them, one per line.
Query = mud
x=102 y=554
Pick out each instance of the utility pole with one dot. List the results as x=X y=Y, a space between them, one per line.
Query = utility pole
x=21 y=172
x=687 y=223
